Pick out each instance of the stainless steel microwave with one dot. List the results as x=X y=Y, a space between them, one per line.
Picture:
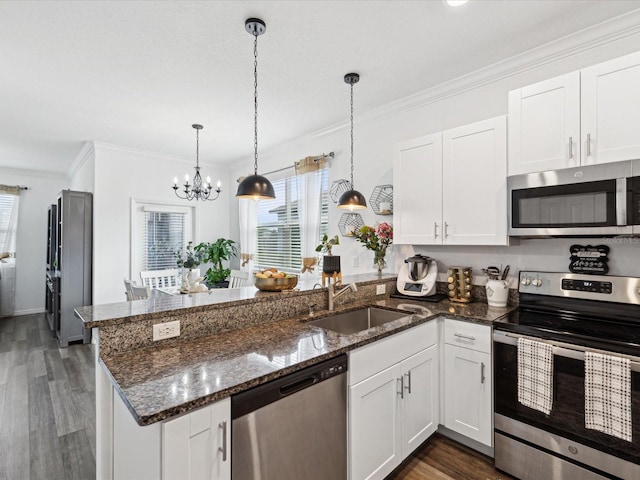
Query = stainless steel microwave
x=594 y=200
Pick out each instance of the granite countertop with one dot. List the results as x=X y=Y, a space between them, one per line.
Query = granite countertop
x=164 y=304
x=160 y=382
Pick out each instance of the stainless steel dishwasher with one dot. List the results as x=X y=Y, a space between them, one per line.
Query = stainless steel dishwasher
x=294 y=427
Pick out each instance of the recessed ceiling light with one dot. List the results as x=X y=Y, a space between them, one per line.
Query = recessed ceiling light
x=455 y=3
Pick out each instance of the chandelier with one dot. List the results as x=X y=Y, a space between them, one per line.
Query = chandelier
x=198 y=190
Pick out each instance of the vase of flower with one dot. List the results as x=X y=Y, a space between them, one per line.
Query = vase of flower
x=378 y=260
x=377 y=239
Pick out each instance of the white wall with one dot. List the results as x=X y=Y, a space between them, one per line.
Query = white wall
x=464 y=101
x=31 y=256
x=122 y=174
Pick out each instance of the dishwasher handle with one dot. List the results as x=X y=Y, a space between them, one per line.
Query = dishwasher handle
x=298 y=385
x=271 y=391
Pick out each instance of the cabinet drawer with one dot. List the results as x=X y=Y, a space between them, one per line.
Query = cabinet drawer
x=375 y=357
x=468 y=335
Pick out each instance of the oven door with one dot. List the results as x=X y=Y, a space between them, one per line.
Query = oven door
x=604 y=453
x=571 y=202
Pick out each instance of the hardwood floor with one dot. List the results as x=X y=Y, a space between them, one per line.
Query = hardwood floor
x=47 y=415
x=47 y=404
x=443 y=459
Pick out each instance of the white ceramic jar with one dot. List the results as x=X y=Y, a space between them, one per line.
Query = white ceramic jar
x=497 y=293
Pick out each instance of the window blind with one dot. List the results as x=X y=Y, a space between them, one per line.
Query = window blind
x=278 y=230
x=6 y=208
x=164 y=234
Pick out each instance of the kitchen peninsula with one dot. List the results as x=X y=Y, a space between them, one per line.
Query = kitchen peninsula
x=230 y=341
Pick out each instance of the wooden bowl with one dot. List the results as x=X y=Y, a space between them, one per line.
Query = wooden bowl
x=275 y=284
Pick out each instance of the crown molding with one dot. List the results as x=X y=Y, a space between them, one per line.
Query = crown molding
x=147 y=153
x=615 y=29
x=35 y=173
x=86 y=153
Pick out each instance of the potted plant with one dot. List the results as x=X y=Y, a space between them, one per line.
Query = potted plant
x=330 y=263
x=189 y=259
x=215 y=253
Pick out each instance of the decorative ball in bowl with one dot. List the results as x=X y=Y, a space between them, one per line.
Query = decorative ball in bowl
x=270 y=280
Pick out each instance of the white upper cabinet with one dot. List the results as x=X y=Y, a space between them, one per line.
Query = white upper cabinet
x=582 y=118
x=474 y=183
x=544 y=125
x=417 y=192
x=611 y=110
x=450 y=187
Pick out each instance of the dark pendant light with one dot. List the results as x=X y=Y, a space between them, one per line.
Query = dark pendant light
x=352 y=199
x=255 y=186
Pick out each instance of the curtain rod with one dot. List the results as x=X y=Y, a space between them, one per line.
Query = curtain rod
x=317 y=158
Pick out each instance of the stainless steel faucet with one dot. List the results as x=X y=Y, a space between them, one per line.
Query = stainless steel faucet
x=333 y=296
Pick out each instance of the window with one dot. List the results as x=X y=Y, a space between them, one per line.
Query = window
x=160 y=231
x=278 y=242
x=7 y=226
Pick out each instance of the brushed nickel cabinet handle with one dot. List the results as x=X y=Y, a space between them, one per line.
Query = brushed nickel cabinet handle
x=446 y=230
x=482 y=373
x=408 y=386
x=588 y=144
x=223 y=448
x=401 y=392
x=570 y=147
x=435 y=229
x=467 y=337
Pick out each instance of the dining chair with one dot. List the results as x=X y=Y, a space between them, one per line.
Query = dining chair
x=140 y=292
x=238 y=278
x=127 y=289
x=161 y=278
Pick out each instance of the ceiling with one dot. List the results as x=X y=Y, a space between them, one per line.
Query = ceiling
x=138 y=74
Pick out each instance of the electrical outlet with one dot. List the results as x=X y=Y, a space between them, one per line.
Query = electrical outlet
x=355 y=261
x=166 y=330
x=380 y=289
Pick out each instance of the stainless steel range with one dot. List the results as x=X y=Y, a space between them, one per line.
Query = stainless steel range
x=569 y=314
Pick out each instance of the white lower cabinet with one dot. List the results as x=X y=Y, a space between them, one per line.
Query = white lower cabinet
x=394 y=410
x=197 y=445
x=193 y=446
x=468 y=407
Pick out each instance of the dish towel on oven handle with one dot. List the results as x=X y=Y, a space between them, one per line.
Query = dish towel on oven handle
x=607 y=392
x=535 y=375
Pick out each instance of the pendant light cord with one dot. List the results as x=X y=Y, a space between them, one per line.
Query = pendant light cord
x=197 y=149
x=351 y=118
x=255 y=102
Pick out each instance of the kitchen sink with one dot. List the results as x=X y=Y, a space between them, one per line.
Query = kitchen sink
x=357 y=320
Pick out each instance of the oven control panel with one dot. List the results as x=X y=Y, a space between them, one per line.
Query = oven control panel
x=587 y=286
x=607 y=288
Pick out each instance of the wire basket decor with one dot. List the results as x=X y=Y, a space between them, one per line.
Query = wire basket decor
x=349 y=223
x=337 y=188
x=381 y=200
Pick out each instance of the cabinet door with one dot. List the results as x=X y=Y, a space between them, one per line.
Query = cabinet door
x=611 y=110
x=417 y=191
x=544 y=125
x=467 y=393
x=196 y=445
x=374 y=430
x=420 y=403
x=475 y=183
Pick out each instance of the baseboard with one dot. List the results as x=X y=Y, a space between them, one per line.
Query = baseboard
x=467 y=442
x=28 y=311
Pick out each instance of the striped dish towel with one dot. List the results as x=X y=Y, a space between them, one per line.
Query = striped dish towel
x=535 y=375
x=607 y=389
